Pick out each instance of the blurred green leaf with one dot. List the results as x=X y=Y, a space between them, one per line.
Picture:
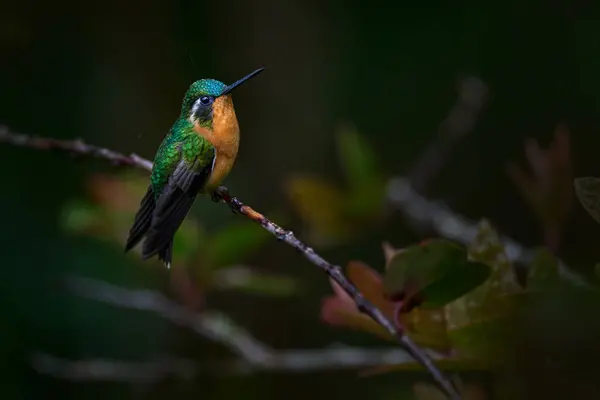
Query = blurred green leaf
x=488 y=249
x=427 y=328
x=233 y=243
x=335 y=215
x=476 y=320
x=543 y=271
x=367 y=204
x=433 y=274
x=587 y=190
x=79 y=216
x=485 y=340
x=366 y=192
x=460 y=279
x=358 y=159
x=246 y=280
x=320 y=205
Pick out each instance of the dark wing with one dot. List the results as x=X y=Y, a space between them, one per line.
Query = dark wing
x=142 y=221
x=173 y=205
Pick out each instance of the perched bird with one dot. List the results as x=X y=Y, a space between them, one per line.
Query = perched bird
x=194 y=158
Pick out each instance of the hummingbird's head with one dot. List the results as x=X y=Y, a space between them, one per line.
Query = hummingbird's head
x=207 y=95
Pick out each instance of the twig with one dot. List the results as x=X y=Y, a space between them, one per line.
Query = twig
x=214 y=326
x=253 y=355
x=112 y=370
x=290 y=361
x=425 y=214
x=75 y=147
x=334 y=271
x=472 y=95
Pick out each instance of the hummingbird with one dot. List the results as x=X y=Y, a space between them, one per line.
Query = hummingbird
x=193 y=158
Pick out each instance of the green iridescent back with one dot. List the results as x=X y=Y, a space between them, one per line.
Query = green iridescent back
x=182 y=142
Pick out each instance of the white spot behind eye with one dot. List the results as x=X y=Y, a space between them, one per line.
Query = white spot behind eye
x=195 y=107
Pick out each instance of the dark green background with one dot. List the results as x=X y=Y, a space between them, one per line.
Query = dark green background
x=113 y=73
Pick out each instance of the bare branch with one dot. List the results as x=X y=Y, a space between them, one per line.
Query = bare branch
x=291 y=361
x=215 y=326
x=253 y=356
x=75 y=147
x=472 y=95
x=221 y=329
x=112 y=370
x=425 y=215
x=334 y=271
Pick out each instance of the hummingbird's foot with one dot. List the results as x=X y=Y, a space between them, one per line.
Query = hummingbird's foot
x=221 y=194
x=216 y=196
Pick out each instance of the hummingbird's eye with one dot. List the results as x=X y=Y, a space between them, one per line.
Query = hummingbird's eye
x=205 y=100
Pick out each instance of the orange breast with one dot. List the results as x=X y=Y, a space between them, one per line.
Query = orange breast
x=225 y=137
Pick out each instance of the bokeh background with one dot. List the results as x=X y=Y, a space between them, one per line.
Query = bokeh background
x=113 y=73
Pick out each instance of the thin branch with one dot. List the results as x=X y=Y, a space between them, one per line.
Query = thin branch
x=112 y=370
x=215 y=326
x=155 y=369
x=424 y=214
x=334 y=271
x=253 y=355
x=472 y=95
x=76 y=147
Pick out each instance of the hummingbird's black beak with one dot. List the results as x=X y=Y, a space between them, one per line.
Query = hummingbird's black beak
x=237 y=83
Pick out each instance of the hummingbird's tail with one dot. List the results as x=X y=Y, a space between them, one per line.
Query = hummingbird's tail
x=141 y=225
x=171 y=209
x=143 y=220
x=158 y=220
x=165 y=255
